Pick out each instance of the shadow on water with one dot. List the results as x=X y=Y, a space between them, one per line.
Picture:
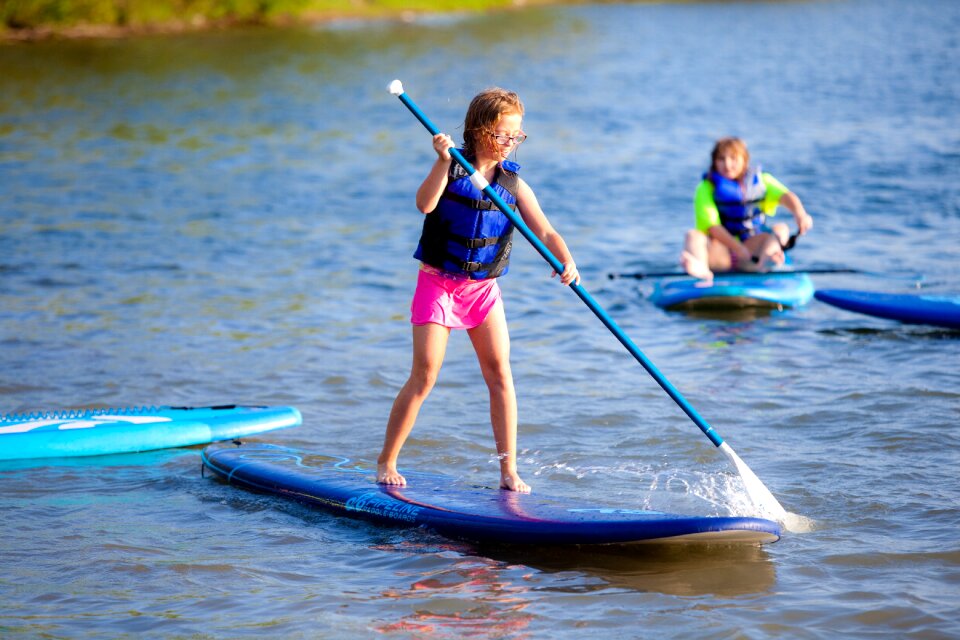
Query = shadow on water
x=145 y=459
x=493 y=588
x=727 y=314
x=894 y=333
x=684 y=570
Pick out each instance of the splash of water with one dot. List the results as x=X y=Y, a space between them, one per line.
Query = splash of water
x=661 y=488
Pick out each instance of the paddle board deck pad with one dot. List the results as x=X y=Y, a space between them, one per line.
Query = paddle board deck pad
x=104 y=431
x=465 y=512
x=940 y=311
x=774 y=290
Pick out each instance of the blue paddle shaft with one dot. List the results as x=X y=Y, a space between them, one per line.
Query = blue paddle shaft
x=578 y=289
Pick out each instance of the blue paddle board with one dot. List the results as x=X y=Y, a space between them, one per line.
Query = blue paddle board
x=940 y=311
x=774 y=290
x=466 y=512
x=103 y=431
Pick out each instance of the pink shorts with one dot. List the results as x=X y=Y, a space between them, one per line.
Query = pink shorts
x=451 y=300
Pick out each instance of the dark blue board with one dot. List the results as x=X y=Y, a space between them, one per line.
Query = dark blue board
x=93 y=432
x=735 y=290
x=457 y=510
x=940 y=311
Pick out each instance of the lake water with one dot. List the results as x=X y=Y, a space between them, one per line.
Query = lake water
x=228 y=218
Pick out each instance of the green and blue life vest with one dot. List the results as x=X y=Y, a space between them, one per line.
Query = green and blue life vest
x=739 y=204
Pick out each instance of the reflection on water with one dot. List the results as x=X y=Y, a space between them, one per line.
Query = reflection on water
x=470 y=596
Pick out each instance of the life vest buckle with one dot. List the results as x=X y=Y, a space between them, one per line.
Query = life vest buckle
x=480 y=243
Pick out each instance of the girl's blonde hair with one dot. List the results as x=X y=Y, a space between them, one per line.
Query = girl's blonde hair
x=727 y=145
x=483 y=114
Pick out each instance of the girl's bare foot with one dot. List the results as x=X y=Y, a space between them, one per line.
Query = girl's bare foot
x=388 y=474
x=512 y=482
x=695 y=266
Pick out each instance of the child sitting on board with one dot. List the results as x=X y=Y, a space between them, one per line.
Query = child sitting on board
x=464 y=247
x=731 y=204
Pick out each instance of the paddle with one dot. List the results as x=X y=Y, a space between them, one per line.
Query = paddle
x=682 y=274
x=791 y=241
x=763 y=500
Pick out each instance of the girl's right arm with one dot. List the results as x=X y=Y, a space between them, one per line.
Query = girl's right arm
x=792 y=203
x=428 y=195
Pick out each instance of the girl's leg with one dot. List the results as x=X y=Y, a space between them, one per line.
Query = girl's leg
x=695 y=258
x=767 y=247
x=429 y=346
x=782 y=232
x=719 y=259
x=491 y=341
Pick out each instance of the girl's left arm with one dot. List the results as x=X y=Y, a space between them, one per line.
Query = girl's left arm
x=536 y=219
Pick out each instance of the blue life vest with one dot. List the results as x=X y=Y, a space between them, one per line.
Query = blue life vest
x=739 y=207
x=467 y=233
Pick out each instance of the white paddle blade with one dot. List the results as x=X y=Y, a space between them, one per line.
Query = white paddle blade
x=395 y=87
x=767 y=506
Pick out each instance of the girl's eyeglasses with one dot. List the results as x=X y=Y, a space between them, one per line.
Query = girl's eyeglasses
x=502 y=138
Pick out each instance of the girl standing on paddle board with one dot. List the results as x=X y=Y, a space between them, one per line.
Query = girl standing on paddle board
x=464 y=247
x=730 y=206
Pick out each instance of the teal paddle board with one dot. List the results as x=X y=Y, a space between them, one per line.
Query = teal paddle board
x=774 y=290
x=93 y=432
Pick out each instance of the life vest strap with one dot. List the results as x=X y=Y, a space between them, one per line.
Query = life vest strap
x=475 y=243
x=481 y=205
x=471 y=267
